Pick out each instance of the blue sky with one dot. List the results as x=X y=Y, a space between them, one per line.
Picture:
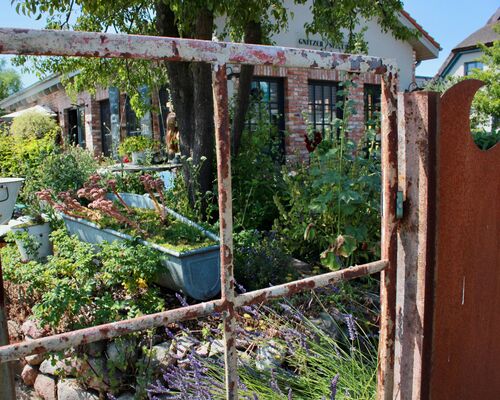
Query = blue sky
x=448 y=21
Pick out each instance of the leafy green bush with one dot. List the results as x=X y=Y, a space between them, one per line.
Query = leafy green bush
x=257 y=178
x=259 y=260
x=33 y=124
x=25 y=156
x=331 y=207
x=68 y=170
x=134 y=144
x=79 y=288
x=21 y=155
x=486 y=140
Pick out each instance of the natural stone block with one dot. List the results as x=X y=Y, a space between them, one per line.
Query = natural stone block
x=69 y=389
x=29 y=374
x=45 y=387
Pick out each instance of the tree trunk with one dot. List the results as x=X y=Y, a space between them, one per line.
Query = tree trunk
x=253 y=34
x=191 y=90
x=203 y=141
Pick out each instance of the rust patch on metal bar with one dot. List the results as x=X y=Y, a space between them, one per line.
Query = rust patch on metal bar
x=289 y=289
x=389 y=236
x=223 y=151
x=107 y=331
x=96 y=44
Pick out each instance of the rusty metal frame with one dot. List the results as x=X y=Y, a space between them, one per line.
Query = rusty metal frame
x=86 y=44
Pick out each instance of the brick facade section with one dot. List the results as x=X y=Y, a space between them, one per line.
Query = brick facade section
x=296 y=102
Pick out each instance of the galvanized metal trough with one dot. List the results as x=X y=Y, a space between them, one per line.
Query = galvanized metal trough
x=194 y=272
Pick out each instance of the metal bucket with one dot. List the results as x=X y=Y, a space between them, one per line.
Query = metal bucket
x=9 y=189
x=40 y=235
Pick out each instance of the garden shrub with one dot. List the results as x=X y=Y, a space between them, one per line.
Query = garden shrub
x=330 y=210
x=259 y=260
x=486 y=140
x=79 y=288
x=33 y=125
x=69 y=169
x=257 y=178
x=24 y=154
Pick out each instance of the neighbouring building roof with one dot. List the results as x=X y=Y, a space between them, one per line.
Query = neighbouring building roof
x=484 y=35
x=422 y=31
x=38 y=109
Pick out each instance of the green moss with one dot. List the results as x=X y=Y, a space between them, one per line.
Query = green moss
x=173 y=234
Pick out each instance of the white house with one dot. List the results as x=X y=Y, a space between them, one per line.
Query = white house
x=288 y=93
x=465 y=56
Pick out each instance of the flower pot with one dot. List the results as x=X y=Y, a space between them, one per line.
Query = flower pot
x=40 y=235
x=138 y=157
x=9 y=189
x=195 y=272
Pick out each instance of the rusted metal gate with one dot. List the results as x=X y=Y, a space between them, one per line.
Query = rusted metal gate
x=65 y=43
x=440 y=306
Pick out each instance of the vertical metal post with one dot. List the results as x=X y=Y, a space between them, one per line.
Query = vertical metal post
x=7 y=388
x=223 y=151
x=389 y=132
x=417 y=131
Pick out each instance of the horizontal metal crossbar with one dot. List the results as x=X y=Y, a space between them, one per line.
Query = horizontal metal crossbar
x=106 y=45
x=68 y=340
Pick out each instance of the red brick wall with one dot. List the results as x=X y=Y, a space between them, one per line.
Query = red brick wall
x=59 y=102
x=296 y=103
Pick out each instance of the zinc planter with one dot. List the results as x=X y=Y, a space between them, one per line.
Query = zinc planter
x=40 y=236
x=138 y=157
x=9 y=189
x=195 y=272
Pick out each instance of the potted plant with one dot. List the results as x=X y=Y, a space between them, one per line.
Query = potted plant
x=32 y=239
x=9 y=189
x=190 y=254
x=136 y=147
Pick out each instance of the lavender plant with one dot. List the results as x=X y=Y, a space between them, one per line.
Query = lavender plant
x=318 y=364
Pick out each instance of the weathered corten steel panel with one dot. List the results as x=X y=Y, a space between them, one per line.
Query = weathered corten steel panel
x=465 y=343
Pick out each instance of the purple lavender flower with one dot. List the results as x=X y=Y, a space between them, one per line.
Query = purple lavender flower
x=182 y=300
x=274 y=383
x=333 y=387
x=351 y=326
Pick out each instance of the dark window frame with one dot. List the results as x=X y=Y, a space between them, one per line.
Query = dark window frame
x=318 y=91
x=105 y=118
x=275 y=109
x=470 y=65
x=372 y=100
x=269 y=105
x=132 y=123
